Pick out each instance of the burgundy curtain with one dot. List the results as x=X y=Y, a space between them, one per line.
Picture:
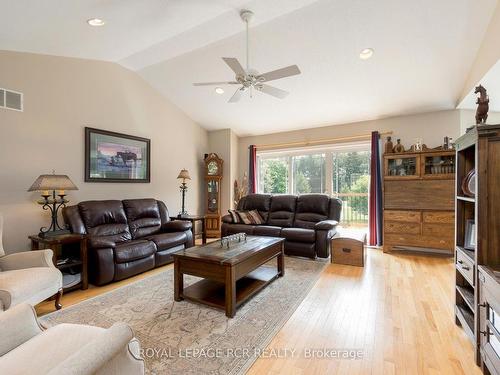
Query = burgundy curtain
x=375 y=204
x=252 y=169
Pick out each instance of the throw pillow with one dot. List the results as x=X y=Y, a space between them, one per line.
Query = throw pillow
x=251 y=217
x=234 y=216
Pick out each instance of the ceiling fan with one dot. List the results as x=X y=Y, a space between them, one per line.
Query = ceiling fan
x=250 y=79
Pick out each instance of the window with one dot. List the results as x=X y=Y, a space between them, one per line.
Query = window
x=341 y=171
x=308 y=174
x=273 y=175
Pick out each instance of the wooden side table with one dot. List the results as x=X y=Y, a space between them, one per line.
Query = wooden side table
x=193 y=219
x=63 y=246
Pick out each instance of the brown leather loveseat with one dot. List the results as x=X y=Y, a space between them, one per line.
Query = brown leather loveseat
x=307 y=221
x=127 y=237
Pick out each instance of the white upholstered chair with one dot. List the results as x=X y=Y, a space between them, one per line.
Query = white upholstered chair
x=27 y=277
x=65 y=349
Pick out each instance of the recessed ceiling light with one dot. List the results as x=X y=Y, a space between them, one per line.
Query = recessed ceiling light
x=366 y=54
x=219 y=90
x=96 y=22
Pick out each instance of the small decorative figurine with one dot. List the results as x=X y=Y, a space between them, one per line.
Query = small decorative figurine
x=418 y=145
x=448 y=143
x=388 y=146
x=482 y=105
x=398 y=147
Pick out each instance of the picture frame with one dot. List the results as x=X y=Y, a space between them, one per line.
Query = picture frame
x=116 y=157
x=470 y=235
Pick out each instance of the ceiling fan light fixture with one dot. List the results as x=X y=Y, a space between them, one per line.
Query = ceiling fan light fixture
x=96 y=22
x=248 y=78
x=366 y=53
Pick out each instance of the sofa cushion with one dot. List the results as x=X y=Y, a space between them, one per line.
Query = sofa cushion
x=235 y=218
x=112 y=233
x=311 y=209
x=259 y=202
x=267 y=230
x=95 y=213
x=250 y=217
x=239 y=228
x=31 y=285
x=143 y=216
x=282 y=210
x=298 y=234
x=46 y=350
x=164 y=241
x=133 y=250
x=105 y=218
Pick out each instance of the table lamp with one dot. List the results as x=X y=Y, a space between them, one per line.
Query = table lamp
x=48 y=184
x=183 y=175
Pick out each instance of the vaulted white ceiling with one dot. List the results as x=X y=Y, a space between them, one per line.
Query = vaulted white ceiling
x=423 y=52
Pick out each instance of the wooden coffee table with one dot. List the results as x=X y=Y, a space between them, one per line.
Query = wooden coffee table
x=230 y=275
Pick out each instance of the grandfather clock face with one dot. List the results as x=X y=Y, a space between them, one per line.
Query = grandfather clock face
x=212 y=168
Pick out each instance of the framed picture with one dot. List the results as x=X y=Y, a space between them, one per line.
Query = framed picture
x=470 y=235
x=116 y=157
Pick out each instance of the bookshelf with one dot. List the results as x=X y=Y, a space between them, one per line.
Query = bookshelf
x=477 y=225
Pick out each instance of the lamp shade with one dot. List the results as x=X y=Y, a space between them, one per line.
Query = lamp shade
x=184 y=175
x=52 y=182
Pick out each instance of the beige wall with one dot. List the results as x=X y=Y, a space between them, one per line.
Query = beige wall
x=468 y=119
x=430 y=127
x=61 y=97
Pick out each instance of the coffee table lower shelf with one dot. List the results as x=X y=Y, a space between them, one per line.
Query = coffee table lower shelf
x=212 y=293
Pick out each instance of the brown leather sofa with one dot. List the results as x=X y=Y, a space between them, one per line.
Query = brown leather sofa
x=307 y=222
x=127 y=237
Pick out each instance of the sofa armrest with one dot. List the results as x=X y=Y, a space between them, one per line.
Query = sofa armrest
x=101 y=243
x=27 y=259
x=326 y=225
x=177 y=226
x=227 y=219
x=17 y=325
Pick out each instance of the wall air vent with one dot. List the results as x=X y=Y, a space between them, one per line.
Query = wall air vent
x=11 y=100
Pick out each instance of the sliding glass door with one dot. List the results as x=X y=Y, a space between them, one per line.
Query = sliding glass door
x=341 y=171
x=351 y=183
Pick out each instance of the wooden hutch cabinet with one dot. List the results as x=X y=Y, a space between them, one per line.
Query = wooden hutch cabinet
x=419 y=202
x=477 y=235
x=213 y=178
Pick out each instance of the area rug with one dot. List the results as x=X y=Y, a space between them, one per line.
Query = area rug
x=188 y=338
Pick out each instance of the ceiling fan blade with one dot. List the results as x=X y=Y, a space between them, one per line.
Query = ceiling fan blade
x=291 y=70
x=273 y=91
x=237 y=95
x=235 y=65
x=215 y=83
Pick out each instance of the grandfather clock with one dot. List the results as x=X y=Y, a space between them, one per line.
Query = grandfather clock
x=213 y=177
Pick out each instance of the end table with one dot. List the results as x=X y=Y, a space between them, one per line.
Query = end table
x=63 y=246
x=193 y=219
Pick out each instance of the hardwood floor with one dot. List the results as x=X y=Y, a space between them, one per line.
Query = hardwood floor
x=398 y=310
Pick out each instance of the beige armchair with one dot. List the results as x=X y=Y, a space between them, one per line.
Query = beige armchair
x=65 y=349
x=29 y=277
